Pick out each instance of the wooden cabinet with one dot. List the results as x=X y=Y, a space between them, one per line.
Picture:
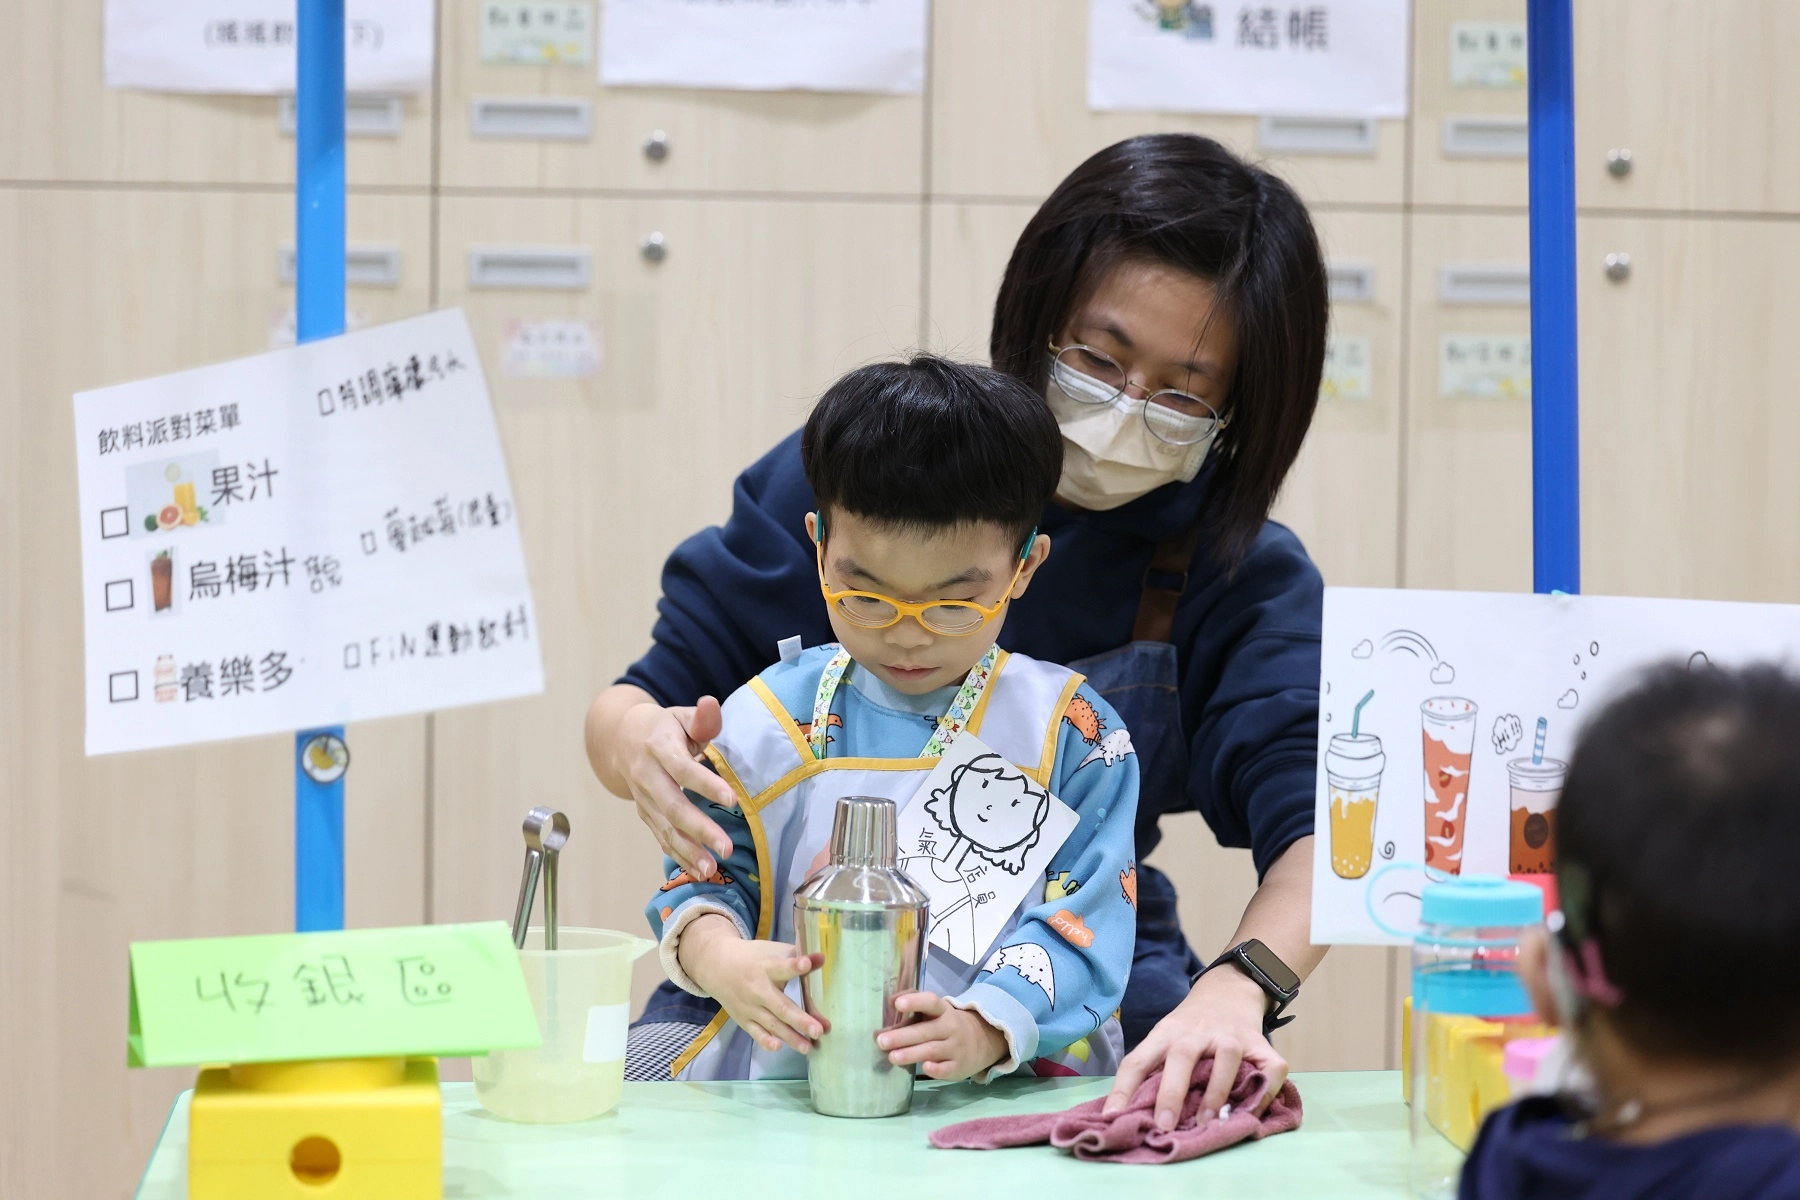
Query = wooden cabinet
x=1688 y=428
x=1009 y=114
x=1468 y=141
x=711 y=356
x=1467 y=502
x=1343 y=496
x=176 y=843
x=61 y=122
x=716 y=141
x=1701 y=93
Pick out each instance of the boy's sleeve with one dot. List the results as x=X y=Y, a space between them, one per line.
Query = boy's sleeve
x=1057 y=977
x=732 y=890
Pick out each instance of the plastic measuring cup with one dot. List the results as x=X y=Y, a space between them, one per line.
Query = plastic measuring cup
x=581 y=992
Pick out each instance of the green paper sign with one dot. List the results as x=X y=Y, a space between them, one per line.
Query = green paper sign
x=364 y=993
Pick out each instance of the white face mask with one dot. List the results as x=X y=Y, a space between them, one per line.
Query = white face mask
x=1110 y=457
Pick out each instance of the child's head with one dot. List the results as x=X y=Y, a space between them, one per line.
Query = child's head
x=1678 y=866
x=930 y=478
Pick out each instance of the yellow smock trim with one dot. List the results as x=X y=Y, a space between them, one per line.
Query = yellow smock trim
x=973 y=724
x=1048 y=761
x=698 y=1044
x=788 y=725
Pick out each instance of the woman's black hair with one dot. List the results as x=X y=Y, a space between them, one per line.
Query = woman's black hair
x=1185 y=201
x=1676 y=841
x=932 y=443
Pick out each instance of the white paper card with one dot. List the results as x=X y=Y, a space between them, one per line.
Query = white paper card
x=765 y=45
x=1443 y=769
x=1487 y=54
x=247 y=46
x=1484 y=366
x=977 y=836
x=1346 y=375
x=310 y=536
x=535 y=33
x=606 y=1034
x=550 y=348
x=1330 y=58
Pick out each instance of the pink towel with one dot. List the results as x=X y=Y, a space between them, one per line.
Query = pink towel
x=1131 y=1135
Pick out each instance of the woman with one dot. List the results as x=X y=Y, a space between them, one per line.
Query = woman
x=1169 y=301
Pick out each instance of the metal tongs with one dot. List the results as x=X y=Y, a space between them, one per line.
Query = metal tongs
x=546 y=833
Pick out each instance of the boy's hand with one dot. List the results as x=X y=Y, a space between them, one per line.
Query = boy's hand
x=747 y=978
x=950 y=1043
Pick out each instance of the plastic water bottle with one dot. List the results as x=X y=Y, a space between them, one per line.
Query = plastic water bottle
x=1466 y=990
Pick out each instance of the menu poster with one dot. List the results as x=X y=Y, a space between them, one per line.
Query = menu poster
x=320 y=534
x=1446 y=721
x=247 y=47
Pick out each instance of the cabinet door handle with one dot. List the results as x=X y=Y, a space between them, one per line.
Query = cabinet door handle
x=530 y=268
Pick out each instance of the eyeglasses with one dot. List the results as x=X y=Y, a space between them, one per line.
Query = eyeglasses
x=1090 y=376
x=950 y=618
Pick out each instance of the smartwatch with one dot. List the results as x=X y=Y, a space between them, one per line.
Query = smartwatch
x=1268 y=973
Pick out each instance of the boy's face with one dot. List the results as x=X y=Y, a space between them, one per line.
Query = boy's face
x=964 y=562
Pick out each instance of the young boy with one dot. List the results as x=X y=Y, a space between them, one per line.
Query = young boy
x=1676 y=964
x=929 y=478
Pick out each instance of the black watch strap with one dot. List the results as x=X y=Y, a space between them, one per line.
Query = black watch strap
x=1279 y=1000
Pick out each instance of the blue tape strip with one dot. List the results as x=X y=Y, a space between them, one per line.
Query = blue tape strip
x=1555 y=411
x=318 y=313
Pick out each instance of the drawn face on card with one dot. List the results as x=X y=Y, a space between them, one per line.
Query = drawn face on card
x=976 y=836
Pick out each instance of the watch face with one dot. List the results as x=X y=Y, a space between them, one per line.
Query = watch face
x=1276 y=971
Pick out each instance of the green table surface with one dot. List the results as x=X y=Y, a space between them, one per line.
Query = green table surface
x=742 y=1141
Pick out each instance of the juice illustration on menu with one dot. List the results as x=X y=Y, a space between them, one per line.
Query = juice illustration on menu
x=1537 y=784
x=1353 y=766
x=1449 y=729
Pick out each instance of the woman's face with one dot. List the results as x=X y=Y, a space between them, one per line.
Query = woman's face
x=997 y=812
x=1154 y=320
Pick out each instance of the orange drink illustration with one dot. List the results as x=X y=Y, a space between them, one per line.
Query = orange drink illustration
x=1353 y=765
x=1449 y=728
x=184 y=500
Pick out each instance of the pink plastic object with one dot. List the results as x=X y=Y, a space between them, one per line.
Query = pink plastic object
x=1521 y=1060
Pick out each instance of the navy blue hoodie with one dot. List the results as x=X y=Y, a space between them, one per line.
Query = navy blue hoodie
x=1247 y=646
x=1529 y=1151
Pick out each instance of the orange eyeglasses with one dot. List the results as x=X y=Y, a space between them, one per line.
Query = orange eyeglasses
x=950 y=618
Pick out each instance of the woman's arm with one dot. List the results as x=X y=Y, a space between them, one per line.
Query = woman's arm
x=1222 y=1016
x=730 y=595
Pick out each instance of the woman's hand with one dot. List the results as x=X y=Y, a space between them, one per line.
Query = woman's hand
x=1222 y=1019
x=648 y=753
x=950 y=1043
x=747 y=978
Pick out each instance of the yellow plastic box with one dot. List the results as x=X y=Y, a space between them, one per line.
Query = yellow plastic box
x=358 y=1129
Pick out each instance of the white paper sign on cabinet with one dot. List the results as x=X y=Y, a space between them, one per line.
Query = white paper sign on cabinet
x=247 y=47
x=765 y=45
x=1327 y=58
x=314 y=535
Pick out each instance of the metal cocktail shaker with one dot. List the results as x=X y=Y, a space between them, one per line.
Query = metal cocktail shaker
x=868 y=919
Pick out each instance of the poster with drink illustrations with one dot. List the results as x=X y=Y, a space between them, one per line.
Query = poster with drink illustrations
x=1446 y=720
x=316 y=535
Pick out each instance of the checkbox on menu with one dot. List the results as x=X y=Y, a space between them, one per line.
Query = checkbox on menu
x=122 y=686
x=114 y=523
x=120 y=595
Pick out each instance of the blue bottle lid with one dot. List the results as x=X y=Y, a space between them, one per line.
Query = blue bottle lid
x=1481 y=901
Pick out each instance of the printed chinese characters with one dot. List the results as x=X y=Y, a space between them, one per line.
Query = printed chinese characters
x=176 y=427
x=1261 y=27
x=236 y=676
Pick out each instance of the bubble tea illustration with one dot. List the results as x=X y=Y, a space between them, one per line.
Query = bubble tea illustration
x=1449 y=728
x=1537 y=784
x=1353 y=766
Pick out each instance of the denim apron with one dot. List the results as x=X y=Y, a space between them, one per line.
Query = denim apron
x=1142 y=681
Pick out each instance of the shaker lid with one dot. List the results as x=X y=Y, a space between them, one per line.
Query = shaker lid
x=865 y=833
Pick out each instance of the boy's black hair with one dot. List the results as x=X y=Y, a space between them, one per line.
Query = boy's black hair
x=931 y=443
x=1678 y=852
x=1184 y=201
